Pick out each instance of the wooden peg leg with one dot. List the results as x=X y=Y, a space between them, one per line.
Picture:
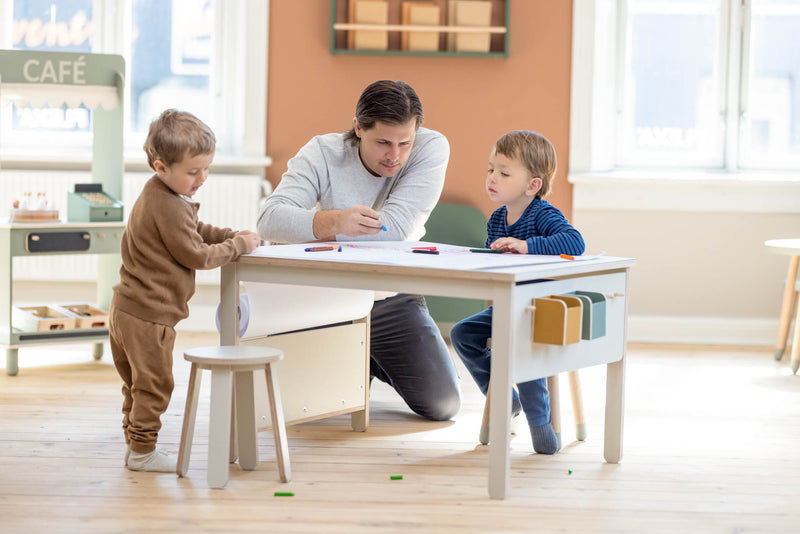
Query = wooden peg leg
x=787 y=307
x=577 y=405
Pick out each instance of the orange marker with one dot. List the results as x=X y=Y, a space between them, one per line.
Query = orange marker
x=566 y=256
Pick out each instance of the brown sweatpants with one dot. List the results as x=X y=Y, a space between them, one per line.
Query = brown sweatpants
x=142 y=354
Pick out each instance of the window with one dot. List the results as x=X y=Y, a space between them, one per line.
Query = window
x=203 y=56
x=699 y=84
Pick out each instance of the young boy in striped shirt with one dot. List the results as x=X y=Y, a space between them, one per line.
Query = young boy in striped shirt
x=522 y=166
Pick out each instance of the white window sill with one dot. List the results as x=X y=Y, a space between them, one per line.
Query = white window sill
x=692 y=191
x=82 y=161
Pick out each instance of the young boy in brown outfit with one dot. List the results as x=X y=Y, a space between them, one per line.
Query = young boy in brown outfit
x=162 y=246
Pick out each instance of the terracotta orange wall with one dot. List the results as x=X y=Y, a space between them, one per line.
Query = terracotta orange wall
x=471 y=100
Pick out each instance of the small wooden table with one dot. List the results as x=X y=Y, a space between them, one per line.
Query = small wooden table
x=791 y=248
x=510 y=286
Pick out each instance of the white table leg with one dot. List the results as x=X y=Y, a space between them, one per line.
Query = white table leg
x=246 y=420
x=615 y=404
x=500 y=396
x=219 y=427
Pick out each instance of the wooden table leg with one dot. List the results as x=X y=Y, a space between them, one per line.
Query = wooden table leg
x=787 y=307
x=555 y=406
x=795 y=361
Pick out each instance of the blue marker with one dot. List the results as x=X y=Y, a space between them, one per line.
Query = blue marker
x=383 y=227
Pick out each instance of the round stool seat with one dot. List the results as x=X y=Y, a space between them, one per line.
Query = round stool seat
x=233 y=355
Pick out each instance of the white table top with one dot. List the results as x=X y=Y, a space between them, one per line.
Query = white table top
x=790 y=247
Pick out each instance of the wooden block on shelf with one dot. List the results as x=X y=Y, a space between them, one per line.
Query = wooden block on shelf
x=469 y=13
x=40 y=319
x=371 y=12
x=351 y=19
x=420 y=14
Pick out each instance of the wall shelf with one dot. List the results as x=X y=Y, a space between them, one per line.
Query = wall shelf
x=393 y=35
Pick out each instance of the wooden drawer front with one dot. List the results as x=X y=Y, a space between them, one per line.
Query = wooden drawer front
x=323 y=373
x=538 y=360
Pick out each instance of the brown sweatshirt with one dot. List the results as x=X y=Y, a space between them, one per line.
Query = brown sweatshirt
x=163 y=245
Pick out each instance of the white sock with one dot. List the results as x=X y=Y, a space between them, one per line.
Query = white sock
x=153 y=461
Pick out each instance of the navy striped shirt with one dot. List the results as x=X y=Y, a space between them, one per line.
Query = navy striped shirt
x=542 y=225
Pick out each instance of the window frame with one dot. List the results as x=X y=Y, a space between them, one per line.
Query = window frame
x=600 y=183
x=238 y=84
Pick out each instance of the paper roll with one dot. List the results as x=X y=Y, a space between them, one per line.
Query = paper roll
x=244 y=314
x=280 y=308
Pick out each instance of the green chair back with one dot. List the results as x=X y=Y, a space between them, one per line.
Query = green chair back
x=454 y=224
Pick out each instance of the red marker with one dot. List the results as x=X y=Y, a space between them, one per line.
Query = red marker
x=423 y=248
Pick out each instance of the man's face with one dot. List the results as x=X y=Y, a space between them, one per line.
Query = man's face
x=385 y=148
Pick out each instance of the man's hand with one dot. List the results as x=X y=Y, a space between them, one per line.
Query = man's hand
x=355 y=221
x=510 y=244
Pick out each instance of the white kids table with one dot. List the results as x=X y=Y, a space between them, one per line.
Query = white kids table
x=510 y=281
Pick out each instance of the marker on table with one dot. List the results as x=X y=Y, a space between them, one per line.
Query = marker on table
x=566 y=256
x=486 y=250
x=324 y=248
x=423 y=248
x=383 y=227
x=424 y=251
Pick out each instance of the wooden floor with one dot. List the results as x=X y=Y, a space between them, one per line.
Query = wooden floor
x=711 y=444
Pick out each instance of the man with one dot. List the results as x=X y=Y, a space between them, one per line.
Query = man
x=378 y=181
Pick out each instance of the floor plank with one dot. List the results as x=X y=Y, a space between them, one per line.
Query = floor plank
x=709 y=446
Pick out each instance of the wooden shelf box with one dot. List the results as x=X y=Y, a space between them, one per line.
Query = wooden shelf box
x=40 y=319
x=86 y=315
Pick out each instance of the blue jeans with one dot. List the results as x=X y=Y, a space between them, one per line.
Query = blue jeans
x=408 y=353
x=469 y=337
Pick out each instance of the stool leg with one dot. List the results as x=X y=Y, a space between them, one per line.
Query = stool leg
x=483 y=435
x=787 y=307
x=233 y=449
x=278 y=425
x=219 y=427
x=189 y=416
x=577 y=405
x=246 y=420
x=555 y=407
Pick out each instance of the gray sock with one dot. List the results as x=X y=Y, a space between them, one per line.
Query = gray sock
x=544 y=439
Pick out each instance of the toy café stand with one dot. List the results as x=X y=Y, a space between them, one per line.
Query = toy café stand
x=55 y=79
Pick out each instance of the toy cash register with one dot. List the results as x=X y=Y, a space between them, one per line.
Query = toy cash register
x=88 y=203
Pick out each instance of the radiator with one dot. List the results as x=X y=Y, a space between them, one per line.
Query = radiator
x=226 y=200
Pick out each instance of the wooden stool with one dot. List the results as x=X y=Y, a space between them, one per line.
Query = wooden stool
x=555 y=409
x=225 y=363
x=789 y=247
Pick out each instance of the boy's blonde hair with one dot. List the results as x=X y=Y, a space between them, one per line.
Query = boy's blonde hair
x=535 y=151
x=175 y=133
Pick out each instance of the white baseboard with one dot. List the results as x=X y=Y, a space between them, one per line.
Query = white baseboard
x=702 y=330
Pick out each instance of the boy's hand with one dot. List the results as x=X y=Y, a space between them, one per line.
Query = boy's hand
x=510 y=244
x=252 y=239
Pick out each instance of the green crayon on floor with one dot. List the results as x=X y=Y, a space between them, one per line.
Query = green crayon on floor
x=284 y=494
x=569 y=472
x=396 y=477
